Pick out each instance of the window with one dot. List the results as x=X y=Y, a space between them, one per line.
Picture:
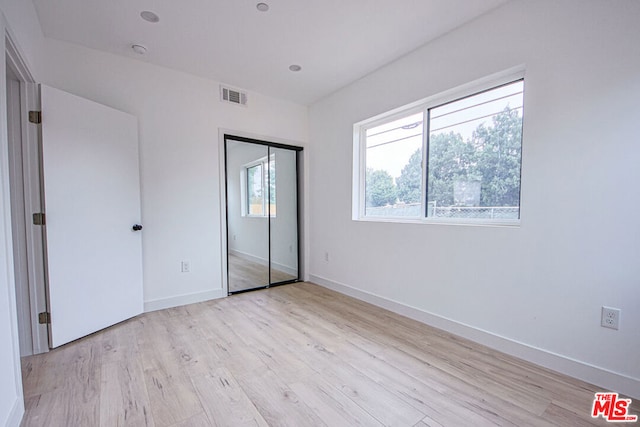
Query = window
x=457 y=160
x=255 y=193
x=258 y=197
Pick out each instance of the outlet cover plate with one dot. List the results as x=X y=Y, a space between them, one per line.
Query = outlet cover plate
x=610 y=318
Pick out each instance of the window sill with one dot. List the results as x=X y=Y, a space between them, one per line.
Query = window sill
x=514 y=223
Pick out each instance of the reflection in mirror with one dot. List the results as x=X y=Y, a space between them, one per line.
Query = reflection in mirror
x=284 y=214
x=247 y=215
x=262 y=213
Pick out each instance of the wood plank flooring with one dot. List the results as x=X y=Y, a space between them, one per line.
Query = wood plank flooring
x=245 y=274
x=295 y=355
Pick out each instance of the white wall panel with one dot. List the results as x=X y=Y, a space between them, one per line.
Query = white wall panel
x=179 y=116
x=541 y=284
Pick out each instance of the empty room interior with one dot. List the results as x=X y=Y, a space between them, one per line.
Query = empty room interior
x=234 y=213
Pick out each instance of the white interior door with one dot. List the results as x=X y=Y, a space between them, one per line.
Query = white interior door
x=92 y=200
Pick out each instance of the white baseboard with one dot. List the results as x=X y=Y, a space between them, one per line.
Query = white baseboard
x=16 y=414
x=262 y=261
x=592 y=374
x=284 y=269
x=249 y=257
x=178 y=300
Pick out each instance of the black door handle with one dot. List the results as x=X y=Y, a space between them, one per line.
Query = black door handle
x=136 y=227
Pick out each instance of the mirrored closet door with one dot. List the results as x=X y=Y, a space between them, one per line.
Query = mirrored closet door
x=262 y=213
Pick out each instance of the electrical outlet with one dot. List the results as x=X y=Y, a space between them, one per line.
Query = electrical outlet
x=185 y=266
x=610 y=318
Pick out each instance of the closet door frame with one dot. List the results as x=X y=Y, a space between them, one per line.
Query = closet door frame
x=269 y=144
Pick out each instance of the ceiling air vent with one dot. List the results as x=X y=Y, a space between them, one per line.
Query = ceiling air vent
x=233 y=96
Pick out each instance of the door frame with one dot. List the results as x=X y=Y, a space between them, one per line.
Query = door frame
x=224 y=134
x=33 y=238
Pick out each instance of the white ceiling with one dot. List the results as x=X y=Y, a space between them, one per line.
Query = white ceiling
x=335 y=41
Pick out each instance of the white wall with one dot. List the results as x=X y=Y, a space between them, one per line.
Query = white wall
x=11 y=400
x=179 y=116
x=540 y=285
x=18 y=18
x=24 y=27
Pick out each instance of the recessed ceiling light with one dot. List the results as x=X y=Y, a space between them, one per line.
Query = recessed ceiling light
x=295 y=68
x=149 y=16
x=139 y=49
x=262 y=7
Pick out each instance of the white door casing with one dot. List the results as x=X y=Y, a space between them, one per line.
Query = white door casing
x=92 y=200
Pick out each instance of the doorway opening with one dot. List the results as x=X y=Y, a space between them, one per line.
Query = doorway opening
x=25 y=182
x=262 y=187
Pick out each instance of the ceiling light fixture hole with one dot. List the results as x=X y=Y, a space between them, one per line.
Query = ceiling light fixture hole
x=149 y=16
x=295 y=68
x=262 y=7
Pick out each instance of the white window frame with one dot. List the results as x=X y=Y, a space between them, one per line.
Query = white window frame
x=244 y=190
x=423 y=105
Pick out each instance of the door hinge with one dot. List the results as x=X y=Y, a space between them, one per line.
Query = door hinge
x=35 y=117
x=39 y=219
x=44 y=318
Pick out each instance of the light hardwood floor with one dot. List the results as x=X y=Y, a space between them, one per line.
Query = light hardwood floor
x=245 y=274
x=296 y=355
